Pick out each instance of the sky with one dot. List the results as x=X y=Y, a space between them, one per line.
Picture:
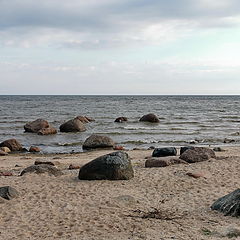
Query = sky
x=132 y=47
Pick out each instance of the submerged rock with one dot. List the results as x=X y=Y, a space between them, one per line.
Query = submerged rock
x=113 y=166
x=47 y=131
x=98 y=141
x=149 y=118
x=8 y=192
x=34 y=149
x=164 y=152
x=73 y=125
x=121 y=119
x=36 y=125
x=12 y=144
x=229 y=204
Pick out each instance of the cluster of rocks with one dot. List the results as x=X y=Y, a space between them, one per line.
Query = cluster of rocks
x=162 y=157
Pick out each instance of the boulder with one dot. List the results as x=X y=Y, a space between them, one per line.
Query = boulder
x=12 y=144
x=149 y=118
x=85 y=119
x=113 y=166
x=121 y=119
x=36 y=125
x=47 y=131
x=197 y=154
x=183 y=149
x=163 y=161
x=8 y=192
x=98 y=141
x=42 y=168
x=73 y=125
x=34 y=149
x=164 y=152
x=5 y=149
x=229 y=204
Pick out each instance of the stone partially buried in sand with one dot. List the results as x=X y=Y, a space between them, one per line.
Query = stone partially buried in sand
x=197 y=154
x=42 y=168
x=8 y=192
x=229 y=204
x=12 y=144
x=163 y=161
x=98 y=141
x=113 y=166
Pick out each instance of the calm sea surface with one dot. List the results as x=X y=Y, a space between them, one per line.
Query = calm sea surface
x=203 y=119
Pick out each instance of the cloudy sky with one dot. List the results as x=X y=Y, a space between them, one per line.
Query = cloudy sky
x=120 y=47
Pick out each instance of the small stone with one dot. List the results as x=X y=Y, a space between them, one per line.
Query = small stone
x=218 y=149
x=71 y=167
x=118 y=148
x=8 y=192
x=6 y=174
x=164 y=152
x=5 y=149
x=163 y=161
x=195 y=175
x=42 y=168
x=34 y=149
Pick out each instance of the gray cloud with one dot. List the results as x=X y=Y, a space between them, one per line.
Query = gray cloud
x=108 y=15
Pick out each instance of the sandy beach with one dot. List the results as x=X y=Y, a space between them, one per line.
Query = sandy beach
x=64 y=207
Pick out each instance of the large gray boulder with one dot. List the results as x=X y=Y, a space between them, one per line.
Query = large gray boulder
x=8 y=192
x=113 y=166
x=42 y=168
x=36 y=125
x=98 y=141
x=12 y=144
x=149 y=118
x=228 y=204
x=73 y=125
x=197 y=154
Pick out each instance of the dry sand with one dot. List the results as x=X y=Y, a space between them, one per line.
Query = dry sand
x=66 y=208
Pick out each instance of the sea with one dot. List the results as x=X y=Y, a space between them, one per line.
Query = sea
x=184 y=120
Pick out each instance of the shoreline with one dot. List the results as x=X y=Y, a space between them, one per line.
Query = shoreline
x=67 y=208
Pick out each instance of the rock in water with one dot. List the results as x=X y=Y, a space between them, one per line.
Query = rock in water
x=12 y=144
x=197 y=154
x=121 y=119
x=113 y=166
x=164 y=152
x=73 y=125
x=47 y=131
x=8 y=192
x=98 y=141
x=229 y=204
x=149 y=118
x=42 y=168
x=36 y=125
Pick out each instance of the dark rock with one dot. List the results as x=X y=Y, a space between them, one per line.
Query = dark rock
x=164 y=152
x=73 y=125
x=121 y=119
x=229 y=205
x=163 y=161
x=2 y=153
x=34 y=149
x=36 y=125
x=113 y=166
x=42 y=168
x=38 y=162
x=183 y=149
x=98 y=141
x=227 y=140
x=197 y=154
x=8 y=192
x=71 y=167
x=151 y=147
x=47 y=131
x=149 y=118
x=12 y=144
x=218 y=149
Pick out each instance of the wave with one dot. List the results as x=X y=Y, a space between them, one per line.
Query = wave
x=69 y=144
